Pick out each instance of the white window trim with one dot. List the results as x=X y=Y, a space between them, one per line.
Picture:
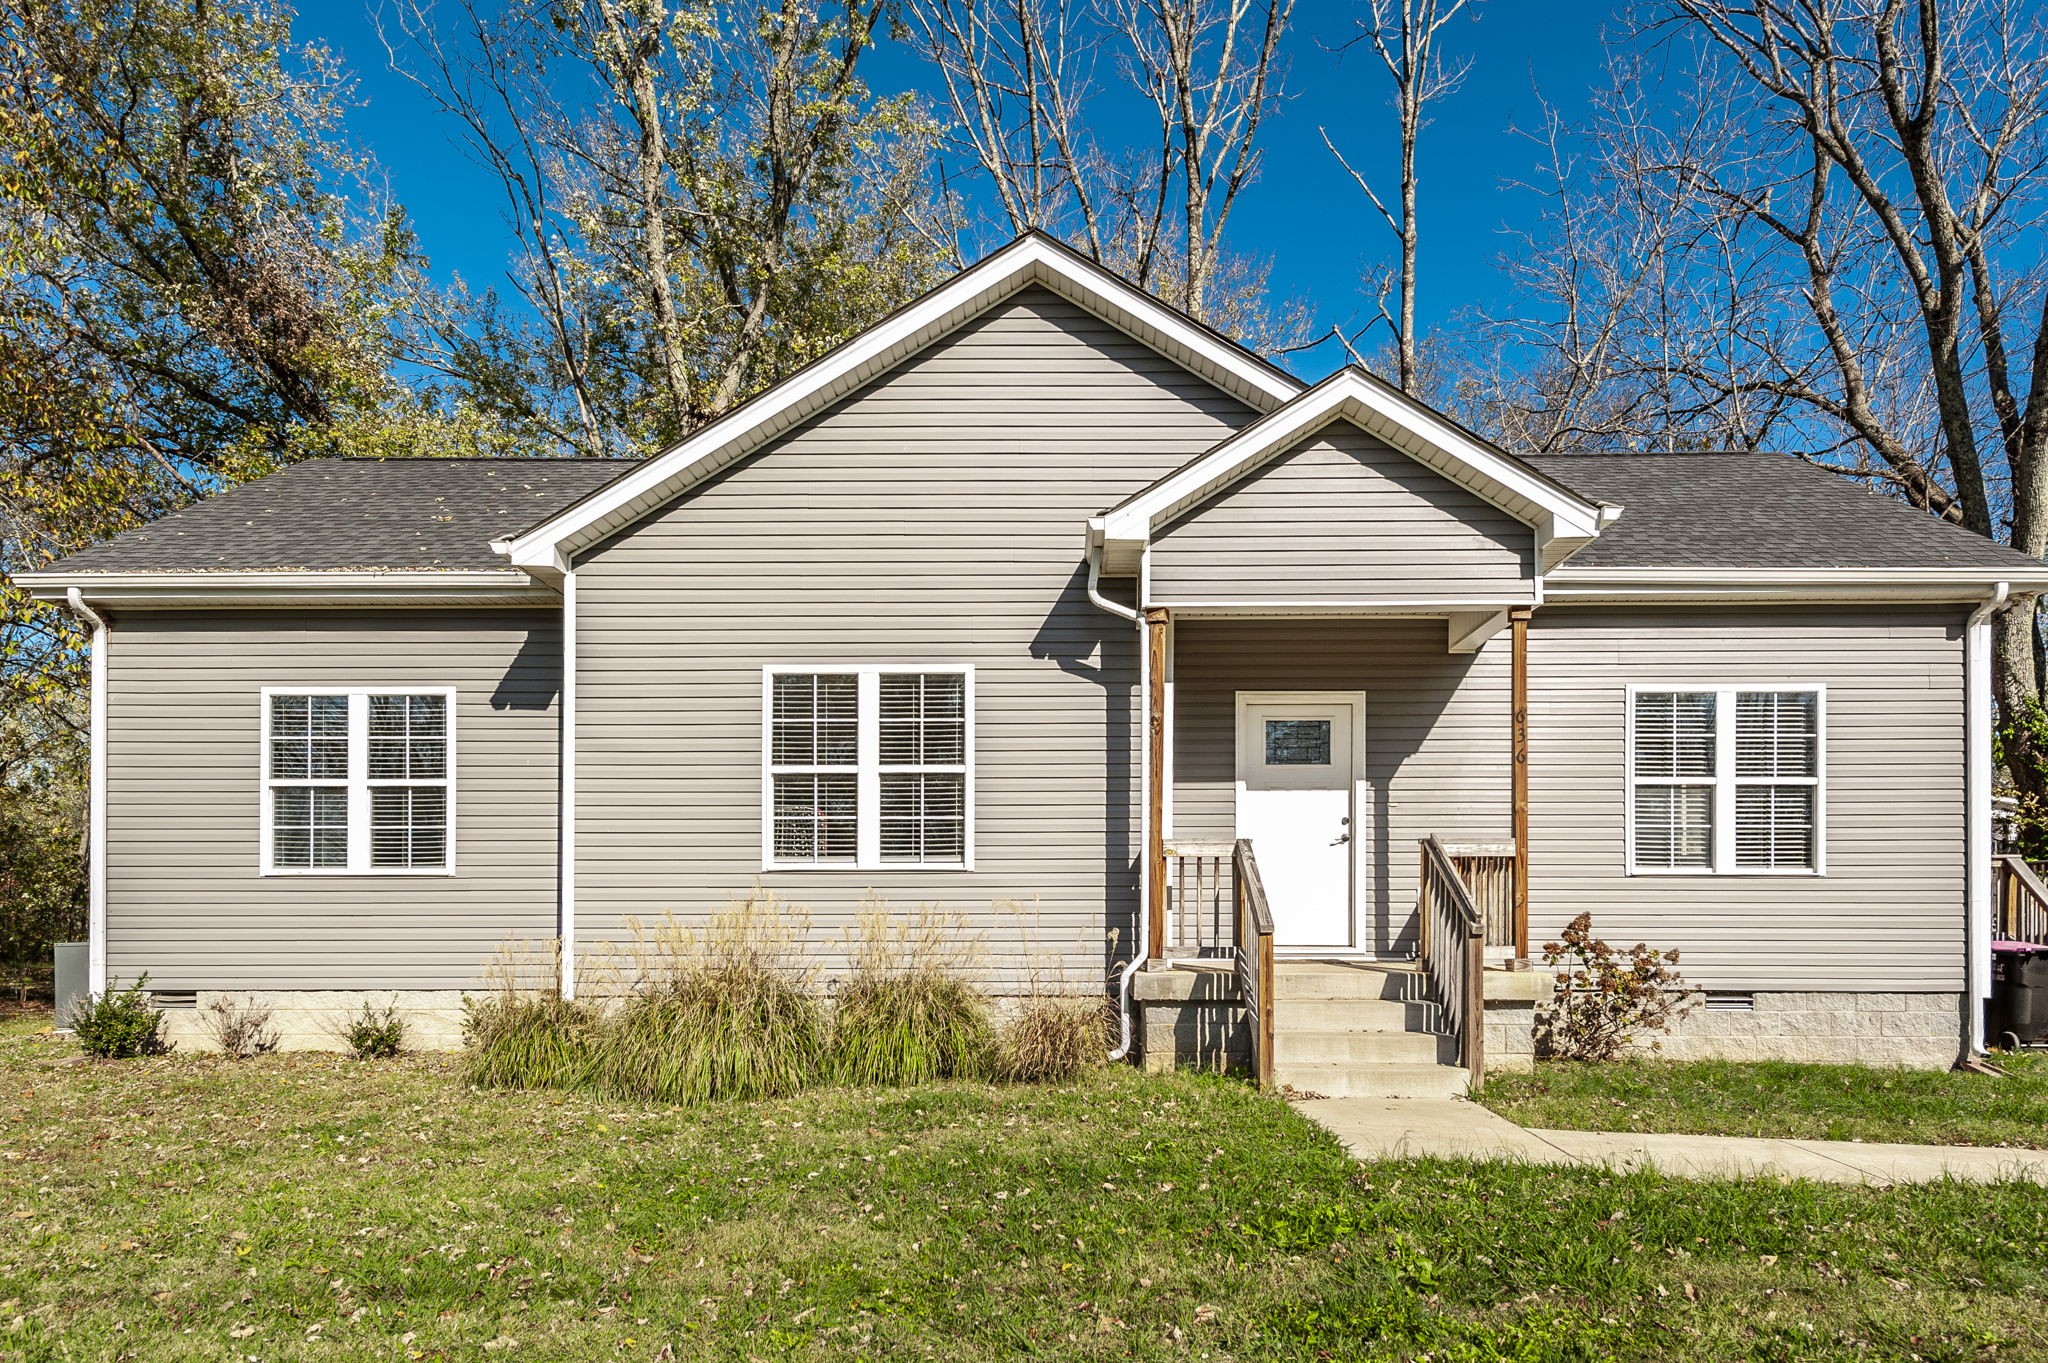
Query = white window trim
x=358 y=783
x=868 y=776
x=1724 y=780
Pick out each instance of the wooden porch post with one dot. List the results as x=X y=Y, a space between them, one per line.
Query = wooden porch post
x=1518 y=685
x=1155 y=780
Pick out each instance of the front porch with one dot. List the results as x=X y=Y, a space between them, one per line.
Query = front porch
x=1380 y=953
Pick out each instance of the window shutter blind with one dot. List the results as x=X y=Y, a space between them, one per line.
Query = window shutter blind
x=1675 y=826
x=1774 y=827
x=1775 y=733
x=1674 y=762
x=1777 y=740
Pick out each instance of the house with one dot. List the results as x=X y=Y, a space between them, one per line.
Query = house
x=1033 y=601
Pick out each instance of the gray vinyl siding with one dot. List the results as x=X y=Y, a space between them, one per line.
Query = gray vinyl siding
x=934 y=517
x=185 y=901
x=1437 y=738
x=1341 y=517
x=1888 y=915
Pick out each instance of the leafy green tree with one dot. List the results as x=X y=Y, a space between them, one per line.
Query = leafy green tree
x=195 y=288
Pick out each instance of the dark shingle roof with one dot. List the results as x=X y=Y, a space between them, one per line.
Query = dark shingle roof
x=356 y=513
x=1749 y=510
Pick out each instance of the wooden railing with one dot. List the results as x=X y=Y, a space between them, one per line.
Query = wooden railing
x=1488 y=870
x=2022 y=900
x=1454 y=956
x=1254 y=953
x=1201 y=913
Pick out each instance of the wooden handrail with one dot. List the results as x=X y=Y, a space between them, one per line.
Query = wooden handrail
x=1454 y=955
x=1254 y=954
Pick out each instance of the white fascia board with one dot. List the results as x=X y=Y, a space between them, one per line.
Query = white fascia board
x=1605 y=586
x=1028 y=260
x=1409 y=427
x=495 y=586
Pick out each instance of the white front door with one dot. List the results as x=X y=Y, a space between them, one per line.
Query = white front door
x=1297 y=773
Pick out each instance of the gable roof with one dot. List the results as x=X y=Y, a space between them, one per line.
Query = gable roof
x=333 y=514
x=1750 y=510
x=1562 y=519
x=421 y=526
x=1032 y=259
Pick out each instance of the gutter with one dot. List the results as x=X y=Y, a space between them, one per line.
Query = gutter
x=96 y=799
x=1137 y=961
x=1977 y=739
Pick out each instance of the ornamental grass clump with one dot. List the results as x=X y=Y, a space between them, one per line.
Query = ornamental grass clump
x=907 y=1013
x=729 y=1013
x=1605 y=998
x=1054 y=1039
x=518 y=1040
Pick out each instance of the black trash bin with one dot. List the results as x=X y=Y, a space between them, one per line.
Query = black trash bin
x=2019 y=994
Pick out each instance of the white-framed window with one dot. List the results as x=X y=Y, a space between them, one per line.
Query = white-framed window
x=358 y=781
x=867 y=767
x=1727 y=780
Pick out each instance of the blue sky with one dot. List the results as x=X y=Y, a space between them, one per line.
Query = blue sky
x=1303 y=213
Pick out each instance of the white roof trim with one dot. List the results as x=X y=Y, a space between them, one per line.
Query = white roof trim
x=1031 y=259
x=1563 y=521
x=333 y=587
x=1706 y=586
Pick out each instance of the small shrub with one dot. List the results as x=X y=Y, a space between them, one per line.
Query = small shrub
x=1054 y=1039
x=535 y=1041
x=239 y=1027
x=119 y=1024
x=1605 y=998
x=375 y=1034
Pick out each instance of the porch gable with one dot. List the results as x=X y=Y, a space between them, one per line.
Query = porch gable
x=1341 y=518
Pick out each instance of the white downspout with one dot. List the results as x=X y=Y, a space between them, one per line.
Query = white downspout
x=1123 y=989
x=1977 y=807
x=565 y=755
x=96 y=801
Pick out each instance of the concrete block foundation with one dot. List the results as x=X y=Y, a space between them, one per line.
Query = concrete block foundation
x=1914 y=1031
x=313 y=1020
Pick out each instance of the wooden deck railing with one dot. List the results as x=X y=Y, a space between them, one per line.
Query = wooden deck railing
x=1488 y=870
x=2022 y=900
x=1254 y=952
x=1454 y=956
x=1201 y=913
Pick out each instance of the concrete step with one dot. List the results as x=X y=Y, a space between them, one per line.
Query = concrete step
x=1350 y=1015
x=1364 y=1048
x=1372 y=1081
x=1310 y=981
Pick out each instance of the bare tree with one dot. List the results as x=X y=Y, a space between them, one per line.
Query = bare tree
x=705 y=198
x=1839 y=206
x=1021 y=76
x=1403 y=33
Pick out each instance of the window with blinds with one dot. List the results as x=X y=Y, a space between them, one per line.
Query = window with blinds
x=814 y=741
x=868 y=766
x=357 y=781
x=1725 y=779
x=922 y=758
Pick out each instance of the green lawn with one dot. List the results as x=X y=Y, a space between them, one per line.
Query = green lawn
x=310 y=1207
x=1823 y=1102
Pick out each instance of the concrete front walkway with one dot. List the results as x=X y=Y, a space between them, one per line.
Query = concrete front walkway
x=1380 y=1128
